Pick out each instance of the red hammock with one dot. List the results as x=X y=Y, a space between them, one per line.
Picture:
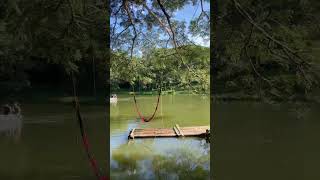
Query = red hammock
x=143 y=119
x=86 y=146
x=85 y=141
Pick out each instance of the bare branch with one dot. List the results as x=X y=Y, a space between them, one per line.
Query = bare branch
x=125 y=3
x=169 y=22
x=157 y=18
x=121 y=32
x=202 y=10
x=116 y=19
x=251 y=21
x=58 y=5
x=255 y=70
x=178 y=54
x=245 y=45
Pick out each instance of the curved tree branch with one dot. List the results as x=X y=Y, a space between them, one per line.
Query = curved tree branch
x=125 y=3
x=203 y=11
x=169 y=22
x=157 y=18
x=251 y=21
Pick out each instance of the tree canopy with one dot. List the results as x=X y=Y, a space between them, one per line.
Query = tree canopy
x=160 y=67
x=151 y=44
x=265 y=48
x=38 y=34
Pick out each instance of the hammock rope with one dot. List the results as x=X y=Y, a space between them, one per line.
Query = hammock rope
x=143 y=119
x=85 y=140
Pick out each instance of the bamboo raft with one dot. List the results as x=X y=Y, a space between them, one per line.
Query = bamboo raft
x=176 y=131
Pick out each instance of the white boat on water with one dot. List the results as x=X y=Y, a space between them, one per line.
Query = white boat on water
x=113 y=99
x=10 y=119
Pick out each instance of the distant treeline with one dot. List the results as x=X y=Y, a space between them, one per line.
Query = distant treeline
x=188 y=70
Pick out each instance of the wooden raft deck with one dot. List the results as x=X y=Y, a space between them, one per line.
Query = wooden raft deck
x=176 y=131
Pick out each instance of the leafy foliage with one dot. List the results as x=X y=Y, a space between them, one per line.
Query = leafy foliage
x=156 y=47
x=64 y=33
x=264 y=48
x=160 y=67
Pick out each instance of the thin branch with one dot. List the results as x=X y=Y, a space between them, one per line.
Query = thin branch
x=58 y=5
x=190 y=41
x=203 y=11
x=250 y=60
x=121 y=32
x=249 y=18
x=255 y=70
x=169 y=22
x=71 y=20
x=175 y=42
x=146 y=37
x=285 y=48
x=157 y=18
x=125 y=3
x=116 y=20
x=167 y=42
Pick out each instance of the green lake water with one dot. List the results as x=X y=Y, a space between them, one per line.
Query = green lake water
x=159 y=158
x=252 y=141
x=48 y=146
x=260 y=141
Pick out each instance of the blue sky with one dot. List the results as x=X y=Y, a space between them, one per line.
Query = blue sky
x=190 y=12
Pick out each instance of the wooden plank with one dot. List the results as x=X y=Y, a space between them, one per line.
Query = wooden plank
x=131 y=133
x=176 y=131
x=179 y=130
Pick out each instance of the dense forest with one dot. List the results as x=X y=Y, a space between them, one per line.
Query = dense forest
x=159 y=67
x=42 y=42
x=266 y=49
x=260 y=49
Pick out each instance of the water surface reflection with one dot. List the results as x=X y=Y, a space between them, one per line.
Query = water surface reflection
x=159 y=158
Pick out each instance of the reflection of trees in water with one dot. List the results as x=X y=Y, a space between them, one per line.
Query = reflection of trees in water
x=301 y=109
x=11 y=125
x=181 y=164
x=114 y=110
x=140 y=161
x=121 y=124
